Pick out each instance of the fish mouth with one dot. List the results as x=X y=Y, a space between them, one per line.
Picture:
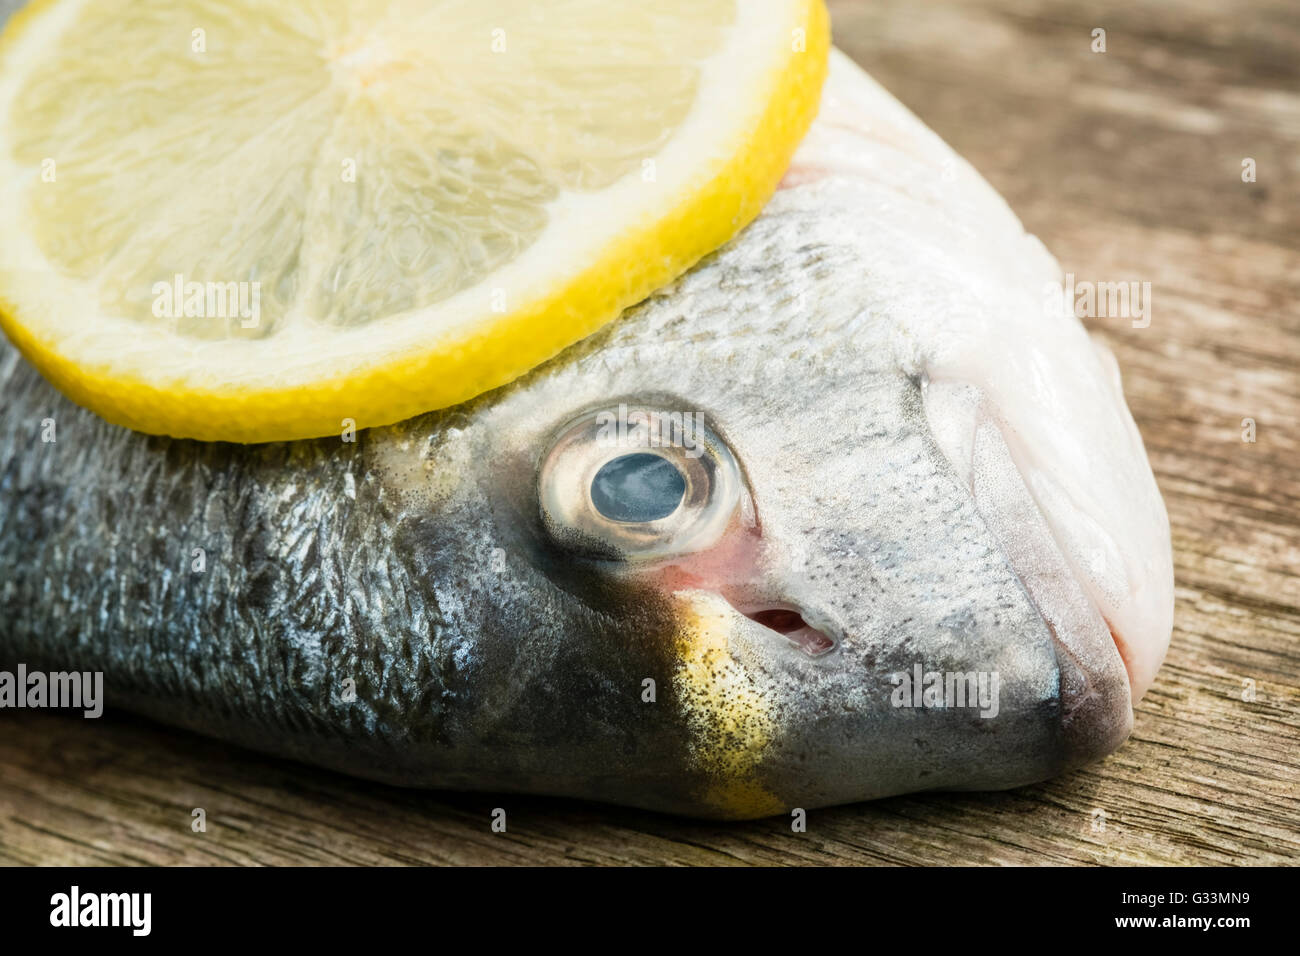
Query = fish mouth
x=1095 y=691
x=1095 y=682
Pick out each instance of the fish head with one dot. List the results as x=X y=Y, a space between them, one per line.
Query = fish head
x=841 y=514
x=732 y=568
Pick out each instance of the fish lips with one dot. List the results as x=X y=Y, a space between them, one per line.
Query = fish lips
x=1096 y=689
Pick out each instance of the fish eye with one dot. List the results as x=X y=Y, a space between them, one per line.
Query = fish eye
x=636 y=483
x=638 y=487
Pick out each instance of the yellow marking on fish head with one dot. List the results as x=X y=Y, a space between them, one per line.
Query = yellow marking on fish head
x=729 y=719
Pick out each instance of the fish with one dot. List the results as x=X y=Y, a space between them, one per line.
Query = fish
x=854 y=508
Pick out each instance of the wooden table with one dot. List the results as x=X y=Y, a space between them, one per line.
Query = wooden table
x=1128 y=164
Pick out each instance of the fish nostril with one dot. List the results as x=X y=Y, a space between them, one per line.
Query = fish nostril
x=790 y=624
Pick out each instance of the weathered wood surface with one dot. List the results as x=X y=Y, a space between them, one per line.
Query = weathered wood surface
x=1128 y=164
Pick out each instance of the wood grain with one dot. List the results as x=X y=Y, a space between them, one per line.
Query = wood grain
x=1128 y=165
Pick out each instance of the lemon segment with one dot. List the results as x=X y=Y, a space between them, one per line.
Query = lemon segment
x=228 y=220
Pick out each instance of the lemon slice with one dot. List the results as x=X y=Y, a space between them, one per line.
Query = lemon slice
x=250 y=221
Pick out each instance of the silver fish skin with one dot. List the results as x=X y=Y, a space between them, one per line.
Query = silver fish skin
x=899 y=447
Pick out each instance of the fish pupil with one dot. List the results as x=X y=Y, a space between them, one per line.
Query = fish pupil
x=637 y=488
